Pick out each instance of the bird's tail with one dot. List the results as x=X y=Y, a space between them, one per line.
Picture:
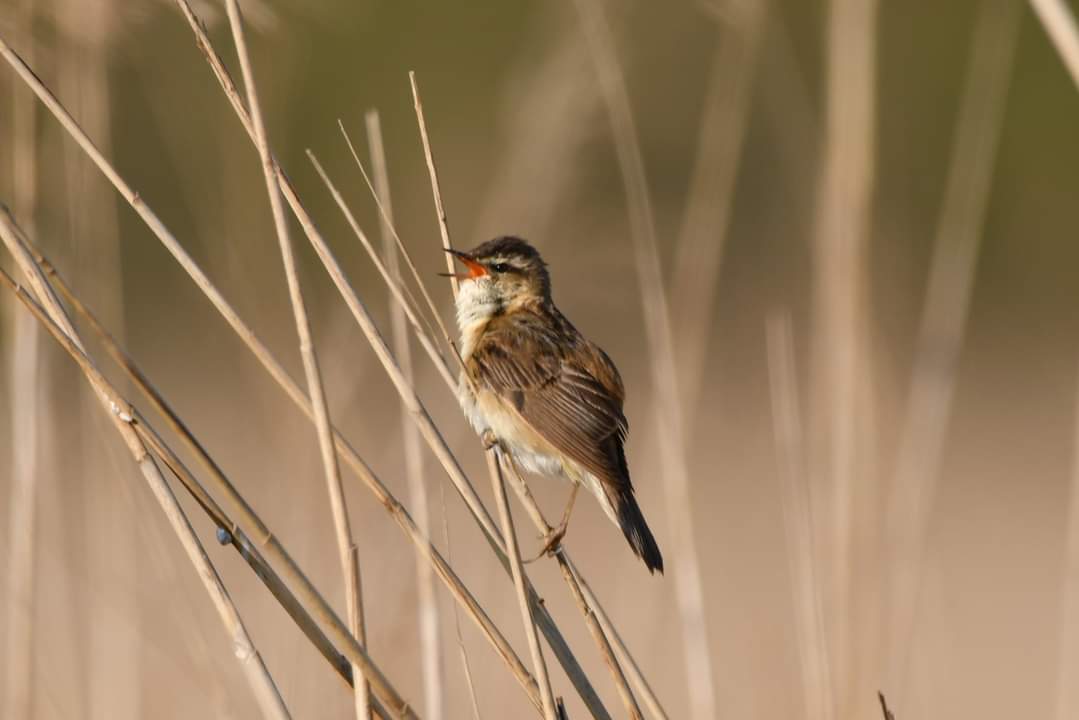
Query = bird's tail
x=630 y=519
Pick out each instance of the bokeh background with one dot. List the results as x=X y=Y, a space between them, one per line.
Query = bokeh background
x=897 y=182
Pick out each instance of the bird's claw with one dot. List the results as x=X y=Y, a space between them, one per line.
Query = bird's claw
x=552 y=543
x=489 y=440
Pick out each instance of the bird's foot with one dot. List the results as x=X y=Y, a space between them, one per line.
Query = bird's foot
x=489 y=440
x=552 y=543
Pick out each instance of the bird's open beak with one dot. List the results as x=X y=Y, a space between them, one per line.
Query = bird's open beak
x=475 y=269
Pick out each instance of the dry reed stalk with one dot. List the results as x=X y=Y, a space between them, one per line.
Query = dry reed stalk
x=430 y=635
x=841 y=354
x=798 y=519
x=26 y=421
x=51 y=314
x=443 y=227
x=494 y=468
x=388 y=221
x=943 y=322
x=672 y=442
x=457 y=616
x=345 y=544
x=1059 y=23
x=707 y=216
x=397 y=288
x=572 y=578
x=626 y=661
x=237 y=537
x=1067 y=695
x=633 y=711
x=339 y=633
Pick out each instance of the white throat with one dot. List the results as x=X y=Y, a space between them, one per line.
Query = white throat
x=477 y=303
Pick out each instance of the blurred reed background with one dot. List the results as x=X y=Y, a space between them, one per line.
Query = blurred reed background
x=864 y=217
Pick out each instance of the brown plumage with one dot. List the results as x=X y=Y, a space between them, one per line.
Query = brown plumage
x=552 y=398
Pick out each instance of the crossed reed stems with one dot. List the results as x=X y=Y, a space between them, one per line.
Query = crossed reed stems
x=44 y=293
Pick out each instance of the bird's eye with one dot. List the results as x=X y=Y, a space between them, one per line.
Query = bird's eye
x=501 y=267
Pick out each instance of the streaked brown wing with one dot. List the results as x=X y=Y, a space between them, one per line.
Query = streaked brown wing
x=563 y=386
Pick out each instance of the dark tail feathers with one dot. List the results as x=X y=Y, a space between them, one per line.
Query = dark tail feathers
x=635 y=528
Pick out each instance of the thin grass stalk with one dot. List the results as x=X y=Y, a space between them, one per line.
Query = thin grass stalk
x=58 y=324
x=841 y=349
x=361 y=690
x=494 y=467
x=416 y=410
x=231 y=533
x=1059 y=23
x=427 y=607
x=397 y=289
x=672 y=444
x=237 y=537
x=388 y=221
x=26 y=422
x=432 y=170
x=569 y=574
x=346 y=546
x=338 y=632
x=798 y=519
x=625 y=659
x=254 y=526
x=151 y=438
x=942 y=326
x=466 y=666
x=633 y=711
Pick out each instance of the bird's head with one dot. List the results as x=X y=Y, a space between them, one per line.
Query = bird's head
x=500 y=275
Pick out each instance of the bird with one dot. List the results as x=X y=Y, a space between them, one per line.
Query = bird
x=549 y=397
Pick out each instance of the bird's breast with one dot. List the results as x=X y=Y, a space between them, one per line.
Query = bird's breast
x=487 y=411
